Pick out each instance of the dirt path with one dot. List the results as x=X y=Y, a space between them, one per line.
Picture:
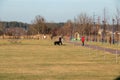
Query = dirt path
x=113 y=51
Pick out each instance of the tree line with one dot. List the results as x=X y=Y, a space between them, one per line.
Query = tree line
x=39 y=26
x=84 y=24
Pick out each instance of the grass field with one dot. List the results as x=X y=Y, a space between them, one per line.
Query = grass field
x=41 y=60
x=106 y=45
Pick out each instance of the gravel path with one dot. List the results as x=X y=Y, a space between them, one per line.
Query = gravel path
x=113 y=51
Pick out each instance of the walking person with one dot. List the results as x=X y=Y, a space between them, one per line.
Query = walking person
x=60 y=40
x=83 y=40
x=110 y=39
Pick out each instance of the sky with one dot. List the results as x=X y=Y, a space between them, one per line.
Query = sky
x=54 y=10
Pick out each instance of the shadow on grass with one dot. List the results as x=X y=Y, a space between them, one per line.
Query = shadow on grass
x=118 y=78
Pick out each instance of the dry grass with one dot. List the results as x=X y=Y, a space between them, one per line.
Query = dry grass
x=41 y=60
x=106 y=45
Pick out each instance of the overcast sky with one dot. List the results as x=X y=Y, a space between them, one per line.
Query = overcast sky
x=53 y=10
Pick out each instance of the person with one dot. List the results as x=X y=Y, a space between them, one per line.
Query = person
x=44 y=36
x=60 y=40
x=83 y=40
x=110 y=39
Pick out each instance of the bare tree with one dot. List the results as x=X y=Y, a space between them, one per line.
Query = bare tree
x=40 y=25
x=117 y=19
x=16 y=32
x=104 y=26
x=32 y=30
x=84 y=24
x=1 y=28
x=117 y=26
x=67 y=29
